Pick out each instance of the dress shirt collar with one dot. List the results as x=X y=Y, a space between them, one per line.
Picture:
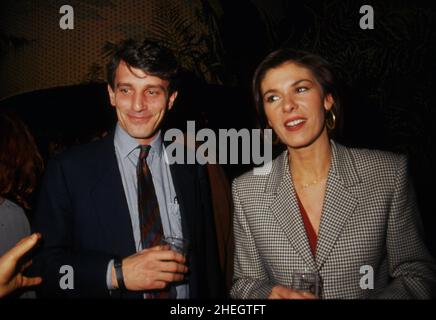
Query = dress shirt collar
x=126 y=144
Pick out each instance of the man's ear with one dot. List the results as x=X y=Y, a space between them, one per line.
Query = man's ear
x=111 y=95
x=328 y=102
x=171 y=100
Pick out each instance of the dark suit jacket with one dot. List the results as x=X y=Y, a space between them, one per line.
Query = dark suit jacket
x=83 y=217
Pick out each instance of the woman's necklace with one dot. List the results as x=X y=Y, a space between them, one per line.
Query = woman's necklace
x=312 y=183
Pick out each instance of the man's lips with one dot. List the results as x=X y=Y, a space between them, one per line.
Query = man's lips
x=139 y=118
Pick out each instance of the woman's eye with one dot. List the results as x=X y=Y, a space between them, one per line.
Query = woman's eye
x=124 y=90
x=272 y=99
x=302 y=89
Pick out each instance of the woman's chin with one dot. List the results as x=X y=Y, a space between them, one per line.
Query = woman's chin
x=297 y=143
x=305 y=140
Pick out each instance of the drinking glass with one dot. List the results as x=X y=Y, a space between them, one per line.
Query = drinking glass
x=308 y=281
x=179 y=245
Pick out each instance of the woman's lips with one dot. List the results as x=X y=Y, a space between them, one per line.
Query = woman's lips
x=295 y=123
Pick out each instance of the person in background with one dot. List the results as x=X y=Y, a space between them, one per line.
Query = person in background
x=324 y=208
x=222 y=205
x=11 y=267
x=20 y=167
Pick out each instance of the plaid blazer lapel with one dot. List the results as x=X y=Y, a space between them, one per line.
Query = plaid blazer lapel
x=285 y=209
x=339 y=202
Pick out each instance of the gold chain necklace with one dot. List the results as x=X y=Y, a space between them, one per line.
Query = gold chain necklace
x=306 y=185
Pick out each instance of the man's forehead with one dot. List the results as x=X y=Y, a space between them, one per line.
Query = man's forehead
x=125 y=71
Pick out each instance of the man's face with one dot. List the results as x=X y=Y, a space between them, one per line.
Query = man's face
x=141 y=101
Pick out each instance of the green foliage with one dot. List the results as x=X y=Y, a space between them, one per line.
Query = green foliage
x=194 y=41
x=392 y=65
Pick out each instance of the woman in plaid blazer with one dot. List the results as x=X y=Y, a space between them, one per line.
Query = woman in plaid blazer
x=349 y=215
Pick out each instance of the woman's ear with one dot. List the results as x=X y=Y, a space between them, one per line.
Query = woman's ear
x=328 y=102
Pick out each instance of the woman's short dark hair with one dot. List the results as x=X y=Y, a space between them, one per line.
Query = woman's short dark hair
x=20 y=162
x=147 y=56
x=320 y=68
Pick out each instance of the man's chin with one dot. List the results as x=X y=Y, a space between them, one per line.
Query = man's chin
x=142 y=134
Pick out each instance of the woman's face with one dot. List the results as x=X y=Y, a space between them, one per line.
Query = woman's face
x=294 y=104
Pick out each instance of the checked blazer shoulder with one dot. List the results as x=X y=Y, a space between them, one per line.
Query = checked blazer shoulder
x=370 y=219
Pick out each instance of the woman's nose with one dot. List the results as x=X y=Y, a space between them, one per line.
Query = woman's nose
x=289 y=104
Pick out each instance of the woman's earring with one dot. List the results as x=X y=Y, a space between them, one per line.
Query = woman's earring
x=330 y=119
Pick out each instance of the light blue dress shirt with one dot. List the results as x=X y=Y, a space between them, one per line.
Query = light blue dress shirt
x=127 y=154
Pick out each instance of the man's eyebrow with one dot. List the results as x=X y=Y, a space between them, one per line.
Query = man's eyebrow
x=151 y=86
x=123 y=84
x=156 y=86
x=292 y=85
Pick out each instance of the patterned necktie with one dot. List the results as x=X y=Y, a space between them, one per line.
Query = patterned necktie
x=149 y=215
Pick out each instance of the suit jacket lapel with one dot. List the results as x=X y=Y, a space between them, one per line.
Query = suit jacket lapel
x=285 y=209
x=183 y=185
x=183 y=180
x=339 y=202
x=110 y=202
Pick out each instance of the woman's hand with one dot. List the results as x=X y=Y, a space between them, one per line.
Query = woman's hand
x=11 y=274
x=281 y=292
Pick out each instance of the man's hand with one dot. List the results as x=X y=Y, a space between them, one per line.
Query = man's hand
x=281 y=292
x=152 y=269
x=11 y=274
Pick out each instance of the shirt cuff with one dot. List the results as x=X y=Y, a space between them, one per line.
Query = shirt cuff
x=109 y=283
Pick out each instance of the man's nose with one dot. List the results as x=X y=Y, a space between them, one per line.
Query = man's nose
x=139 y=102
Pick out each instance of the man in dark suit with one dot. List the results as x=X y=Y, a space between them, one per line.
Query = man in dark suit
x=105 y=207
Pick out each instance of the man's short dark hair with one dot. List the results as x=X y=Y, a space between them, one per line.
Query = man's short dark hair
x=147 y=56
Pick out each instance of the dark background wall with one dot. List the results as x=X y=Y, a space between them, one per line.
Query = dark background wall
x=388 y=73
